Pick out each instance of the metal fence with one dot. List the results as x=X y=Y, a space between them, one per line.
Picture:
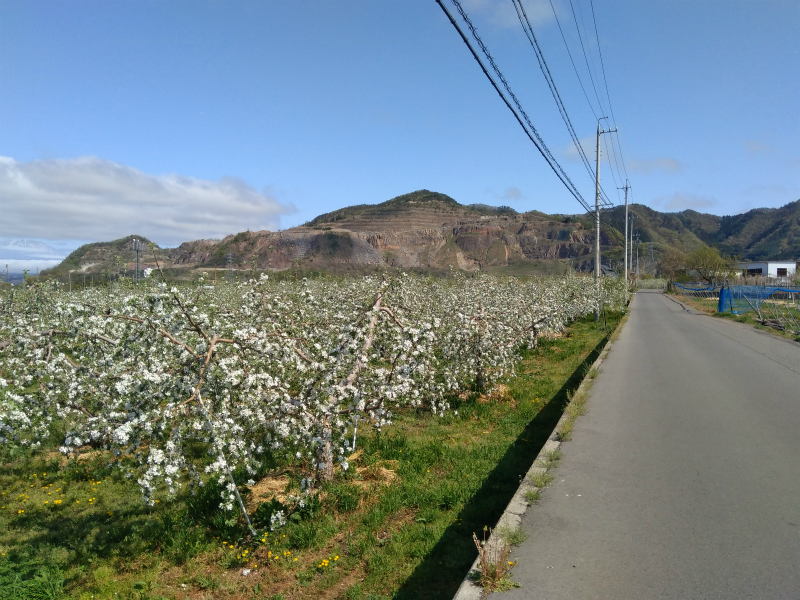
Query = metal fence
x=706 y=292
x=776 y=307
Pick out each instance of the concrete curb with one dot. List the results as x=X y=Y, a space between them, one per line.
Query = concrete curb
x=512 y=515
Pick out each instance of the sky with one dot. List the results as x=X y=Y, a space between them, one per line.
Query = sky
x=185 y=120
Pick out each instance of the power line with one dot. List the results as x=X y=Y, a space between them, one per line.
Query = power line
x=526 y=27
x=608 y=95
x=585 y=56
x=605 y=142
x=530 y=131
x=580 y=81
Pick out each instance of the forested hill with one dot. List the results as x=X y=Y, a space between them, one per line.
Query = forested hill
x=759 y=234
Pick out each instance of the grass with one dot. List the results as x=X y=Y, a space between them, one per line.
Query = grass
x=512 y=536
x=540 y=479
x=532 y=496
x=551 y=458
x=398 y=524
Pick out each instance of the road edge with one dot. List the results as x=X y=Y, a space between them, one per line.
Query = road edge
x=512 y=515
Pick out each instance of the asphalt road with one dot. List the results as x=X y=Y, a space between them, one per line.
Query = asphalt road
x=683 y=480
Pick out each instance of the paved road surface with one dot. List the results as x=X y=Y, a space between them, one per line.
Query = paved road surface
x=683 y=480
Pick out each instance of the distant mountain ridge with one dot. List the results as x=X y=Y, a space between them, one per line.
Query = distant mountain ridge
x=431 y=231
x=27 y=249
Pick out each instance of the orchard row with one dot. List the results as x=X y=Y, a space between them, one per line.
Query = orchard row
x=203 y=379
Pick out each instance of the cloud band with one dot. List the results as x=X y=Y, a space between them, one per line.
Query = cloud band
x=94 y=199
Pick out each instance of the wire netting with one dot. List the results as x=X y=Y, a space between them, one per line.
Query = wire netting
x=776 y=307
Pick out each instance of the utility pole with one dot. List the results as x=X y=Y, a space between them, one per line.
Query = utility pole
x=229 y=274
x=626 y=187
x=137 y=248
x=630 y=246
x=638 y=243
x=597 y=215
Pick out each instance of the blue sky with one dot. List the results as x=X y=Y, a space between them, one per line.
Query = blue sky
x=179 y=120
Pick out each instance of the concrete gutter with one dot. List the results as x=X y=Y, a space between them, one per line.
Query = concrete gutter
x=512 y=515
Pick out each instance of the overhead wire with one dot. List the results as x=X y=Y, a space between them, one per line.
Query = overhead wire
x=530 y=130
x=605 y=142
x=592 y=72
x=534 y=42
x=585 y=56
x=608 y=95
x=574 y=66
x=591 y=68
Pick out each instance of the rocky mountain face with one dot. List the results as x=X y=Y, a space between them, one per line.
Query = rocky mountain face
x=430 y=231
x=423 y=230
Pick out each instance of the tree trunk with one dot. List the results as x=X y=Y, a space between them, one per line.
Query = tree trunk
x=325 y=453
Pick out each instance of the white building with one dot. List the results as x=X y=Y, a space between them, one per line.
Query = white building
x=769 y=268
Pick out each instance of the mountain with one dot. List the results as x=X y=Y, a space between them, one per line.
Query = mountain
x=27 y=249
x=759 y=234
x=430 y=231
x=18 y=256
x=99 y=257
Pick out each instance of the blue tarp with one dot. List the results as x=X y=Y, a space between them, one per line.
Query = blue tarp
x=742 y=298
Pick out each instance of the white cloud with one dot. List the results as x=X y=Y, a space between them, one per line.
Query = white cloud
x=501 y=13
x=589 y=145
x=755 y=148
x=95 y=199
x=766 y=190
x=513 y=194
x=645 y=167
x=679 y=201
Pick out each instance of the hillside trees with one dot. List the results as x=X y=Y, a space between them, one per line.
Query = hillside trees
x=671 y=263
x=710 y=264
